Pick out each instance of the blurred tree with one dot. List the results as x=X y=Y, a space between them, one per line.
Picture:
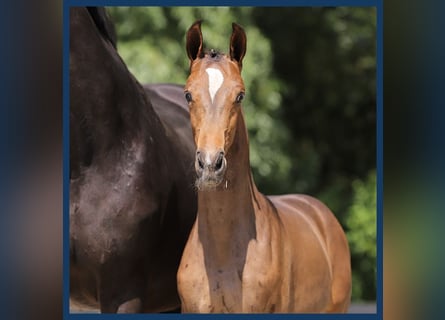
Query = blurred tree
x=311 y=99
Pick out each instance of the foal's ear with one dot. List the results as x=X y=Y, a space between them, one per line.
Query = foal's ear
x=194 y=41
x=238 y=42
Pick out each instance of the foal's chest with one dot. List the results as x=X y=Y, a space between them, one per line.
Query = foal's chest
x=209 y=290
x=234 y=287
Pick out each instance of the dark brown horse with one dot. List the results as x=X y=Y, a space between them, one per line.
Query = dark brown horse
x=132 y=200
x=248 y=252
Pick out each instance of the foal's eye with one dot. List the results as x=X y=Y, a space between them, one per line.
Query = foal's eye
x=239 y=97
x=188 y=97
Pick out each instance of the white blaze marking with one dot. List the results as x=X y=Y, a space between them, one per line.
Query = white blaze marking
x=215 y=81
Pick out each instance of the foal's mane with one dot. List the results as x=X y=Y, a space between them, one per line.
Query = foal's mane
x=103 y=24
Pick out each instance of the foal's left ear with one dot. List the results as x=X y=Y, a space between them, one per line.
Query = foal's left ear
x=238 y=42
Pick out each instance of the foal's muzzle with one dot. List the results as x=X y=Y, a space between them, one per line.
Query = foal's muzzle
x=210 y=167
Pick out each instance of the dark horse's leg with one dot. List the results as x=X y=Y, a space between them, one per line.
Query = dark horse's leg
x=120 y=304
x=131 y=306
x=120 y=293
x=177 y=310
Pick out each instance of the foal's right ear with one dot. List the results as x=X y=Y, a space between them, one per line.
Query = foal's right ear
x=194 y=41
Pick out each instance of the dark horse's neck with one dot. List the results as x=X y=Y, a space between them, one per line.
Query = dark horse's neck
x=226 y=215
x=108 y=106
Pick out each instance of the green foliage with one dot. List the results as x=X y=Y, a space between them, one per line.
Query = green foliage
x=362 y=236
x=310 y=105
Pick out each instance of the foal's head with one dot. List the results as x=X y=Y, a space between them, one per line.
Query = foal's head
x=214 y=91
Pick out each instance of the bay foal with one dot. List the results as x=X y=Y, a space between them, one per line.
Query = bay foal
x=248 y=252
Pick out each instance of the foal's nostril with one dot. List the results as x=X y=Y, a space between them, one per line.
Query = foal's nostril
x=199 y=160
x=219 y=161
x=200 y=164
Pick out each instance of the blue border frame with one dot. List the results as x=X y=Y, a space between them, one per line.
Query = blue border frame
x=378 y=4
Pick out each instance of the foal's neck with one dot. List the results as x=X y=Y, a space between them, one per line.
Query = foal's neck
x=226 y=215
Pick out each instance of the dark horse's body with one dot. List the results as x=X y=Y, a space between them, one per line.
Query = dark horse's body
x=132 y=201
